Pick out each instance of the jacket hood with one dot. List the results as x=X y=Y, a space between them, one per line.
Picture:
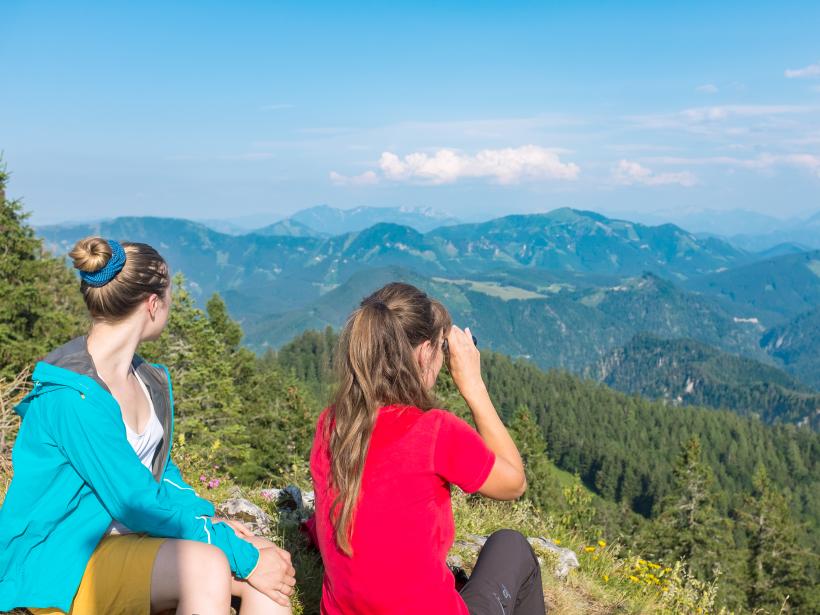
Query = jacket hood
x=70 y=366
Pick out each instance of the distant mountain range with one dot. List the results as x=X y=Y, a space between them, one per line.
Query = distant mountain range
x=748 y=230
x=275 y=272
x=326 y=221
x=687 y=372
x=563 y=288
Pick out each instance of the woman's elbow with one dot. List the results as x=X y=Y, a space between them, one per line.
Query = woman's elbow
x=520 y=488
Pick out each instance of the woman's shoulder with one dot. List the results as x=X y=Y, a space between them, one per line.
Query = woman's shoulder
x=441 y=415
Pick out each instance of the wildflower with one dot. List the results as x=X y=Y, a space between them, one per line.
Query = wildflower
x=606 y=578
x=594 y=557
x=633 y=578
x=202 y=478
x=602 y=543
x=589 y=549
x=557 y=541
x=213 y=484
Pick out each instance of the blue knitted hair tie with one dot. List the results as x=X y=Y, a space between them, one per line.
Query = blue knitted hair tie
x=103 y=276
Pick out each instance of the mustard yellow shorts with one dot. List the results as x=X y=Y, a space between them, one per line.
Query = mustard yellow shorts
x=117 y=579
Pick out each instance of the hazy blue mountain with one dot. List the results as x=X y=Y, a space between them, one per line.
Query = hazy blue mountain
x=334 y=221
x=715 y=222
x=288 y=227
x=584 y=241
x=804 y=232
x=796 y=344
x=688 y=372
x=263 y=274
x=782 y=249
x=771 y=290
x=223 y=226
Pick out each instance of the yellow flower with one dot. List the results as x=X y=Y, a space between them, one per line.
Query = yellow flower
x=594 y=557
x=589 y=549
x=557 y=541
x=633 y=578
x=602 y=543
x=606 y=578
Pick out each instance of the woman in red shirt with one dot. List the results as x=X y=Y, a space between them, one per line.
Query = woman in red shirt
x=384 y=458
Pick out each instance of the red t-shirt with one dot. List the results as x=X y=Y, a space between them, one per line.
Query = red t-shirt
x=403 y=525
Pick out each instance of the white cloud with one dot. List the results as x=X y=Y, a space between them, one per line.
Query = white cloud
x=763 y=162
x=707 y=88
x=367 y=178
x=812 y=70
x=809 y=162
x=629 y=172
x=724 y=112
x=708 y=119
x=504 y=166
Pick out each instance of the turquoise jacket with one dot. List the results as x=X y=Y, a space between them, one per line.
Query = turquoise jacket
x=74 y=472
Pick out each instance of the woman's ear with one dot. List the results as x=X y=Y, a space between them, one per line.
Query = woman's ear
x=153 y=305
x=423 y=354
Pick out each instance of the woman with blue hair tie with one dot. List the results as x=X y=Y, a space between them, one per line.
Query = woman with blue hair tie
x=97 y=519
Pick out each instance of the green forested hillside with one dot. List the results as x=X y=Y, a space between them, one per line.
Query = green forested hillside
x=795 y=344
x=558 y=323
x=686 y=372
x=772 y=290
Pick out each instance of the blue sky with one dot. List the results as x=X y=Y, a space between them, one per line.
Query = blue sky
x=222 y=109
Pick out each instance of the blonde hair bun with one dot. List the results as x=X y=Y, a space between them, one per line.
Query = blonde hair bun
x=91 y=254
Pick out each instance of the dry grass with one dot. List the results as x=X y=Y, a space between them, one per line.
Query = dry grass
x=10 y=393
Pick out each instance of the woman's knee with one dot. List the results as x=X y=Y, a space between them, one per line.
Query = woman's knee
x=514 y=544
x=510 y=538
x=210 y=562
x=186 y=566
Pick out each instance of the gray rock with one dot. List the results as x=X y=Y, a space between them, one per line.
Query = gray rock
x=291 y=498
x=567 y=559
x=248 y=513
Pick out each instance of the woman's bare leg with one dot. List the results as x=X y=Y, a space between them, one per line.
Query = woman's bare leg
x=255 y=602
x=191 y=577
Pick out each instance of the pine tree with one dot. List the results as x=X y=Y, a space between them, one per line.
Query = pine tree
x=206 y=397
x=40 y=302
x=280 y=415
x=688 y=526
x=777 y=564
x=543 y=489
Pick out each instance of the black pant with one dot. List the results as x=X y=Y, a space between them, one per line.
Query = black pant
x=506 y=579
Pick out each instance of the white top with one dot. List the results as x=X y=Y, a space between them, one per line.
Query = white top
x=144 y=444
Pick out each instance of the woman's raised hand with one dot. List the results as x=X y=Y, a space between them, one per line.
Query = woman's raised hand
x=274 y=575
x=464 y=361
